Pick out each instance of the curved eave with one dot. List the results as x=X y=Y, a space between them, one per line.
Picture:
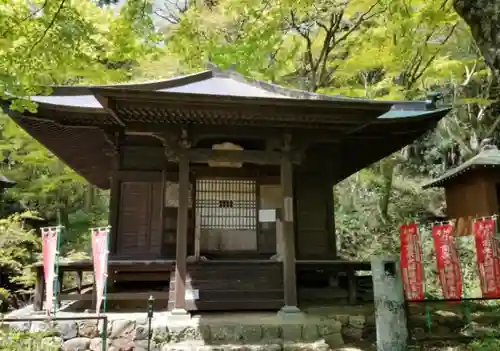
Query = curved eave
x=402 y=122
x=384 y=137
x=85 y=150
x=404 y=116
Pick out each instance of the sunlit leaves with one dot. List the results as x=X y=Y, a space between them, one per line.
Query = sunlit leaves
x=243 y=33
x=63 y=41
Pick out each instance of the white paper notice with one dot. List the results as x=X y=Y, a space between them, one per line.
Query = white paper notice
x=266 y=216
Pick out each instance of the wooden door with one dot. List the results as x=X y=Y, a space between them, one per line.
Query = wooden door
x=139 y=227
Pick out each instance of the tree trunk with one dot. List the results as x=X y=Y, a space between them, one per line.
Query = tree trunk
x=89 y=198
x=387 y=166
x=483 y=18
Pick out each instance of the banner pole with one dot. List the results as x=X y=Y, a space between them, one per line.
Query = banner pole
x=428 y=320
x=102 y=267
x=105 y=293
x=465 y=304
x=56 y=282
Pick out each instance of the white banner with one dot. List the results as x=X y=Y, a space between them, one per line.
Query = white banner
x=100 y=261
x=49 y=254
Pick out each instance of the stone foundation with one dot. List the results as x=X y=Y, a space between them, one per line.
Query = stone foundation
x=224 y=332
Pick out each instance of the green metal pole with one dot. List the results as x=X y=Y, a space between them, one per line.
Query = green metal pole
x=428 y=321
x=105 y=293
x=105 y=290
x=56 y=280
x=464 y=304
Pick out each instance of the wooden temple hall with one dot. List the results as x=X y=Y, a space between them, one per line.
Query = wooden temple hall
x=221 y=186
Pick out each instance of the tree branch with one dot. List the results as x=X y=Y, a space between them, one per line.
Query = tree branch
x=51 y=24
x=31 y=15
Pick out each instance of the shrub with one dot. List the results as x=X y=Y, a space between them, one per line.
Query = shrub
x=24 y=341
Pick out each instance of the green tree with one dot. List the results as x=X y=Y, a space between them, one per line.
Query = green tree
x=54 y=42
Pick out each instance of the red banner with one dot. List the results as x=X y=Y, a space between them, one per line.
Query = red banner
x=49 y=254
x=411 y=262
x=488 y=260
x=448 y=266
x=100 y=260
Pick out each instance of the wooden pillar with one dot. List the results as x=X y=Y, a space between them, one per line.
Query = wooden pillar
x=182 y=233
x=114 y=203
x=39 y=289
x=79 y=281
x=288 y=230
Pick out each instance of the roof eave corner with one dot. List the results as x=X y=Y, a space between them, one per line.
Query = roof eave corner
x=437 y=183
x=432 y=101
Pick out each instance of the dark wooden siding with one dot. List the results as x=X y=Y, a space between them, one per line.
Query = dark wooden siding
x=170 y=232
x=266 y=240
x=143 y=158
x=139 y=228
x=470 y=196
x=229 y=285
x=314 y=218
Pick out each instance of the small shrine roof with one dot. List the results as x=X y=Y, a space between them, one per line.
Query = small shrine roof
x=489 y=157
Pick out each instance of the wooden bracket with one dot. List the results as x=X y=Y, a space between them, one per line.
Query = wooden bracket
x=113 y=140
x=287 y=142
x=107 y=105
x=174 y=143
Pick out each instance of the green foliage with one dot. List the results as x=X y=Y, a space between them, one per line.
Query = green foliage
x=19 y=341
x=488 y=344
x=18 y=248
x=361 y=227
x=53 y=42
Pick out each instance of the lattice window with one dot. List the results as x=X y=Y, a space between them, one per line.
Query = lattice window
x=226 y=204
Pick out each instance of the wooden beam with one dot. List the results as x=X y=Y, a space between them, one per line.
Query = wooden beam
x=123 y=296
x=243 y=156
x=105 y=103
x=266 y=128
x=139 y=176
x=198 y=155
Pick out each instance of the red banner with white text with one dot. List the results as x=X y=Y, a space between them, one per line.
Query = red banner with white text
x=49 y=254
x=488 y=260
x=448 y=265
x=411 y=262
x=100 y=261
